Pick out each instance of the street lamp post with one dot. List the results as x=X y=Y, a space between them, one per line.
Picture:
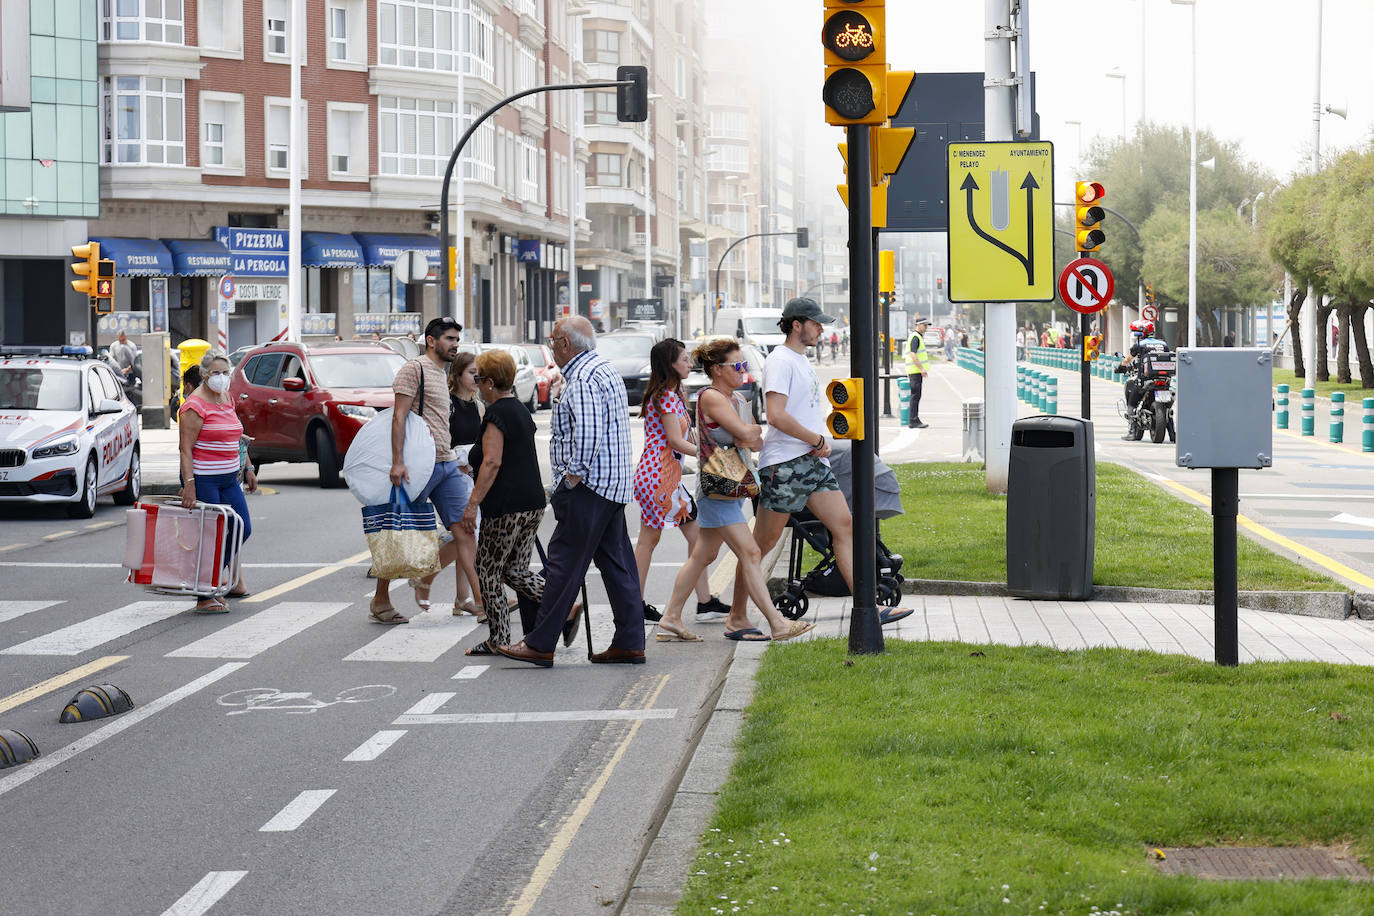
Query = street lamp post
x=1078 y=148
x=648 y=199
x=1116 y=73
x=1192 y=177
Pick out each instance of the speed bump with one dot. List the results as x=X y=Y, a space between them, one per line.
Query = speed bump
x=15 y=748
x=96 y=703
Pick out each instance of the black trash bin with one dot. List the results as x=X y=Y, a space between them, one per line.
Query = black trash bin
x=1051 y=508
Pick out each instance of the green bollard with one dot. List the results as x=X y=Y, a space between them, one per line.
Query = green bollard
x=1367 y=436
x=1336 y=432
x=1309 y=412
x=1020 y=383
x=904 y=398
x=1281 y=408
x=1052 y=397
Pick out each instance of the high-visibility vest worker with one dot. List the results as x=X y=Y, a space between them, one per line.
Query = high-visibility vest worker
x=917 y=356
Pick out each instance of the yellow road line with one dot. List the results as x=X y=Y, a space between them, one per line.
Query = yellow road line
x=98 y=525
x=562 y=840
x=1349 y=449
x=12 y=547
x=1322 y=560
x=306 y=579
x=61 y=680
x=58 y=535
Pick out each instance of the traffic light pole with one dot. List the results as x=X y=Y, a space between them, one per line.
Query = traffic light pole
x=865 y=629
x=1085 y=376
x=731 y=247
x=446 y=294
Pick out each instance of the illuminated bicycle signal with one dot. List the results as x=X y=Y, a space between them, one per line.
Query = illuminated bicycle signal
x=849 y=35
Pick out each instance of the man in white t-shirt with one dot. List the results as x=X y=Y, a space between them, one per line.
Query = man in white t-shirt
x=793 y=470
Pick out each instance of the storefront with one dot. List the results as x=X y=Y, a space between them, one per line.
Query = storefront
x=144 y=278
x=377 y=291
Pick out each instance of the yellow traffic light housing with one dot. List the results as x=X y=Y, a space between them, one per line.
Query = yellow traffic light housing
x=103 y=297
x=1088 y=216
x=846 y=421
x=887 y=272
x=878 y=201
x=87 y=268
x=856 y=79
x=1091 y=344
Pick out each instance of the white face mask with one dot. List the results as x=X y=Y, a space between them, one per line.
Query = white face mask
x=218 y=383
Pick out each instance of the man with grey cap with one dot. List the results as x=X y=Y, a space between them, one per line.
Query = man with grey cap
x=793 y=471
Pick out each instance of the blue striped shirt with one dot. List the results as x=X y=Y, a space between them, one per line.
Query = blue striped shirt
x=591 y=429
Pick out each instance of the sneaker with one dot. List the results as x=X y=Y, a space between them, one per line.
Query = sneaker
x=651 y=613
x=920 y=425
x=714 y=609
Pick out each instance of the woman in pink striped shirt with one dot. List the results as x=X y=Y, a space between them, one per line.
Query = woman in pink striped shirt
x=210 y=432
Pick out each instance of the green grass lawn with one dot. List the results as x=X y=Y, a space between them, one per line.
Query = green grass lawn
x=1353 y=392
x=940 y=778
x=954 y=529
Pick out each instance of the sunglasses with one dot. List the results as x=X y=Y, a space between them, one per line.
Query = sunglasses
x=739 y=367
x=479 y=379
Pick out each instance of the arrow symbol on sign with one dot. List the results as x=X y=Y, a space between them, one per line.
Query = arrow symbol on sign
x=1029 y=185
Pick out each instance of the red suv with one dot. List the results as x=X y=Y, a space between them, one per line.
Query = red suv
x=306 y=402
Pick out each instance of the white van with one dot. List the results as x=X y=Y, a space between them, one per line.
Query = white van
x=758 y=327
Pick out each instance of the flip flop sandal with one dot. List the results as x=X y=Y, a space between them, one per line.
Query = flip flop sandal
x=668 y=634
x=214 y=607
x=797 y=629
x=387 y=616
x=893 y=614
x=236 y=594
x=747 y=634
x=467 y=607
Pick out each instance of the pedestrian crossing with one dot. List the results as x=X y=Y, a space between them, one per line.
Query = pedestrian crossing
x=427 y=638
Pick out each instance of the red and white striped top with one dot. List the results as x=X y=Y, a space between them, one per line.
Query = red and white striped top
x=216 y=449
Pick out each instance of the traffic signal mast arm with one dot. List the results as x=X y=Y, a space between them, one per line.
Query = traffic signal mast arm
x=632 y=85
x=803 y=241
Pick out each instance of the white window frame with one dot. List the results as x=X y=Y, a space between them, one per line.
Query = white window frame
x=477 y=57
x=356 y=119
x=279 y=11
x=479 y=157
x=270 y=104
x=415 y=136
x=232 y=141
x=128 y=20
x=224 y=19
x=152 y=94
x=527 y=157
x=400 y=25
x=727 y=157
x=597 y=161
x=526 y=75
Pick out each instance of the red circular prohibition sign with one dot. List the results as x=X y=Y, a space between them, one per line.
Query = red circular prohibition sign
x=1086 y=285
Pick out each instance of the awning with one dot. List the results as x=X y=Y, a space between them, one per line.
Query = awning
x=330 y=249
x=136 y=257
x=199 y=257
x=381 y=249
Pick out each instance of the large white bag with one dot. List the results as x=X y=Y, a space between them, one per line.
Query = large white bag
x=367 y=466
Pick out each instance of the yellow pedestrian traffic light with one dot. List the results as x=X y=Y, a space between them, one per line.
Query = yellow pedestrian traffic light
x=1088 y=216
x=103 y=297
x=846 y=421
x=87 y=268
x=854 y=39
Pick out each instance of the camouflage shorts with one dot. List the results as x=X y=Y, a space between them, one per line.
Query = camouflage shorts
x=787 y=486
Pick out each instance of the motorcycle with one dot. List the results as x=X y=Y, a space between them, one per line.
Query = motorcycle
x=1152 y=375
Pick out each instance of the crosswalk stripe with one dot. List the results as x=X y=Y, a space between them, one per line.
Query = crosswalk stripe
x=205 y=894
x=427 y=636
x=12 y=609
x=468 y=672
x=297 y=811
x=79 y=637
x=374 y=747
x=260 y=632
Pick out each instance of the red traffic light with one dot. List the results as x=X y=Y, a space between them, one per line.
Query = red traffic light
x=1089 y=191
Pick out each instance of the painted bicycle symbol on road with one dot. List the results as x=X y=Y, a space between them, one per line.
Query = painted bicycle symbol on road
x=270 y=699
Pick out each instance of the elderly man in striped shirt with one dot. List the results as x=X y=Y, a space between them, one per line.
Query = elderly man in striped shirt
x=592 y=481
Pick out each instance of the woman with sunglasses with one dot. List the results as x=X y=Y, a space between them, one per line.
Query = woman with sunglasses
x=663 y=501
x=209 y=431
x=720 y=415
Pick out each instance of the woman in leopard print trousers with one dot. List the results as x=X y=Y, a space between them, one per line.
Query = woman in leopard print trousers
x=503 y=556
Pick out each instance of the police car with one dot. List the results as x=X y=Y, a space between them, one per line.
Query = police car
x=68 y=433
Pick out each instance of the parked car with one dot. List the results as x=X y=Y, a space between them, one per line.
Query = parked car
x=547 y=376
x=751 y=387
x=628 y=351
x=68 y=432
x=303 y=402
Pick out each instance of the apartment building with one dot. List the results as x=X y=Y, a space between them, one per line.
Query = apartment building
x=646 y=183
x=195 y=155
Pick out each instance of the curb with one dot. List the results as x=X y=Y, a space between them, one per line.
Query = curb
x=657 y=885
x=1332 y=605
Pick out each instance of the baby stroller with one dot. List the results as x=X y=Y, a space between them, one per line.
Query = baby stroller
x=824 y=580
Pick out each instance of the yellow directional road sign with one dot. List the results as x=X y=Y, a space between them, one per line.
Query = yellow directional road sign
x=1001 y=222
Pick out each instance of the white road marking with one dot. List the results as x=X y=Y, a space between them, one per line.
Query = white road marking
x=469 y=672
x=427 y=636
x=41 y=765
x=262 y=631
x=297 y=811
x=80 y=637
x=12 y=609
x=562 y=715
x=375 y=746
x=429 y=704
x=205 y=894
x=1353 y=520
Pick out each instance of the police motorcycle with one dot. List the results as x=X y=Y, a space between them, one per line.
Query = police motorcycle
x=1149 y=401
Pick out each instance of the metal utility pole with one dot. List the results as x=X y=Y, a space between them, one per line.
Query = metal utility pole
x=293 y=247
x=999 y=330
x=865 y=629
x=1308 y=316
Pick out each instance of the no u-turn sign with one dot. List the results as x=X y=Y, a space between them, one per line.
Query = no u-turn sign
x=1086 y=285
